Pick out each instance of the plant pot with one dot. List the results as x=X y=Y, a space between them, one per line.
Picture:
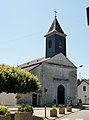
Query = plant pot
x=53 y=113
x=69 y=108
x=62 y=110
x=3 y=117
x=23 y=116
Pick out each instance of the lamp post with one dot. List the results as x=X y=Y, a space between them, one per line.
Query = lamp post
x=85 y=99
x=79 y=72
x=45 y=91
x=80 y=66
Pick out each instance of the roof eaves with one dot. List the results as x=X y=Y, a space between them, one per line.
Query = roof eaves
x=32 y=63
x=83 y=81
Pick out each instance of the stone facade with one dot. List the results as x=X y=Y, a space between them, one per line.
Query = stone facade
x=53 y=73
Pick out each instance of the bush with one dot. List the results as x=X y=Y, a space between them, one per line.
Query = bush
x=61 y=105
x=25 y=108
x=18 y=96
x=54 y=107
x=4 y=110
x=69 y=104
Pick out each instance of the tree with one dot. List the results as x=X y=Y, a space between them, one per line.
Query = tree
x=85 y=79
x=15 y=80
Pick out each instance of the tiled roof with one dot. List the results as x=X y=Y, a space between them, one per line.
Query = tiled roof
x=87 y=81
x=32 y=64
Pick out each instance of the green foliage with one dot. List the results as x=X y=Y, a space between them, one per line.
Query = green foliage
x=4 y=111
x=54 y=101
x=54 y=107
x=18 y=96
x=61 y=105
x=25 y=108
x=84 y=79
x=16 y=80
x=69 y=104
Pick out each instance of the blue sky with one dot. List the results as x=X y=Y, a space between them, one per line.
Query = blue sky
x=23 y=24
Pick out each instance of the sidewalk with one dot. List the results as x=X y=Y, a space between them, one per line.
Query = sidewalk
x=39 y=113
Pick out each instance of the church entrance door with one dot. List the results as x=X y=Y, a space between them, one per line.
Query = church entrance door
x=61 y=94
x=34 y=99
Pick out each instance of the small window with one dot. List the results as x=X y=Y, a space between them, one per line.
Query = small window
x=84 y=88
x=60 y=44
x=50 y=44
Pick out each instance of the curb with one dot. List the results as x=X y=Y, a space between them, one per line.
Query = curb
x=55 y=118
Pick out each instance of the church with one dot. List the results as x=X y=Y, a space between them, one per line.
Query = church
x=56 y=73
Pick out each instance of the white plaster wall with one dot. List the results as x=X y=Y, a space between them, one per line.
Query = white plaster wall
x=8 y=99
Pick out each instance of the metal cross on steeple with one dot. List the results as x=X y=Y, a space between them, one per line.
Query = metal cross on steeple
x=55 y=13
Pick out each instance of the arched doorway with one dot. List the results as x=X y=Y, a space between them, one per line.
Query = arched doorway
x=61 y=94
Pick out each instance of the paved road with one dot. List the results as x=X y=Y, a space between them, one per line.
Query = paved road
x=80 y=115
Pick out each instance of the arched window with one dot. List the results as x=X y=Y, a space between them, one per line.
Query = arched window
x=50 y=44
x=60 y=43
x=84 y=88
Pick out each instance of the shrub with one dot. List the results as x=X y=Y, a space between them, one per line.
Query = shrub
x=61 y=105
x=4 y=110
x=25 y=108
x=18 y=96
x=54 y=107
x=69 y=104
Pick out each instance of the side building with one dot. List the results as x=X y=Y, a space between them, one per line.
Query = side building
x=83 y=91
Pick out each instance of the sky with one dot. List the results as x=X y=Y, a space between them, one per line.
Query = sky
x=23 y=24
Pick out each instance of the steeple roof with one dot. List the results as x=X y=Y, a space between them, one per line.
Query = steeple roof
x=55 y=28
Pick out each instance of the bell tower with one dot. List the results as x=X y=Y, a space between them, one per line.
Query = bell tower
x=55 y=40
